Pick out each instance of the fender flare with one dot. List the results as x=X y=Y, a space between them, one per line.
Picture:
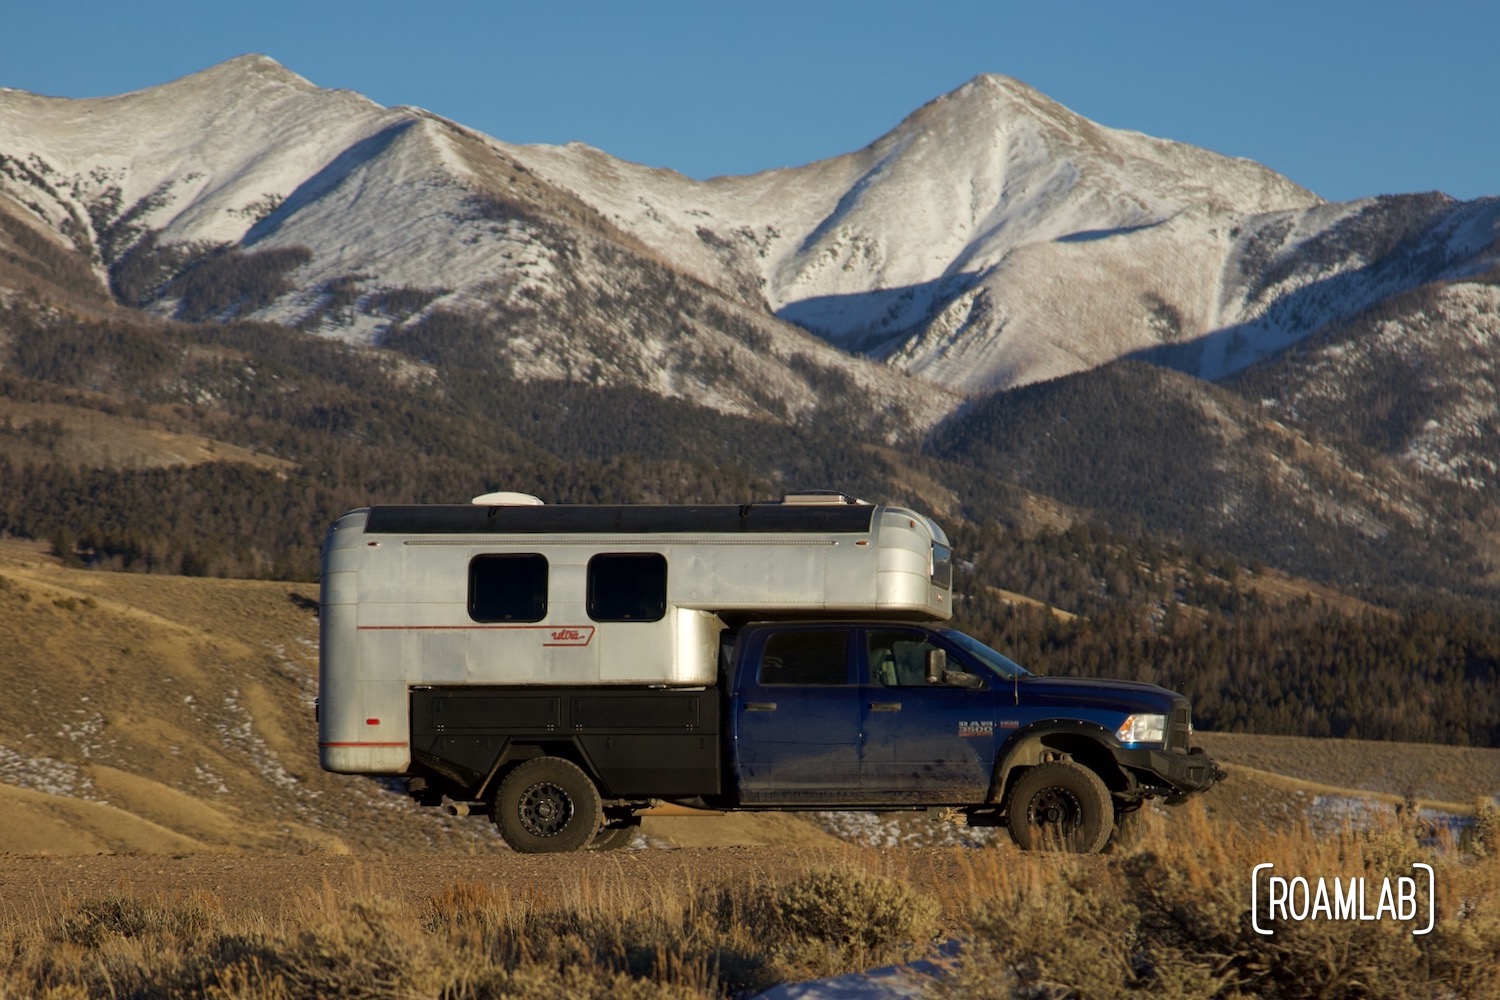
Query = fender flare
x=1087 y=743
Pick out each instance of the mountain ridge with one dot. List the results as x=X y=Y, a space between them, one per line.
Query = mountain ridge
x=841 y=243
x=991 y=239
x=365 y=204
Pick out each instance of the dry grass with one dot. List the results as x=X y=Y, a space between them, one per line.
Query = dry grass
x=1280 y=589
x=76 y=435
x=1421 y=771
x=474 y=940
x=1011 y=597
x=1169 y=916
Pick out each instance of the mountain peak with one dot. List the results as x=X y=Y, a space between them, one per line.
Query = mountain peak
x=252 y=62
x=250 y=69
x=1005 y=86
x=994 y=95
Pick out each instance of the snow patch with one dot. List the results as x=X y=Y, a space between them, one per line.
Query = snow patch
x=45 y=774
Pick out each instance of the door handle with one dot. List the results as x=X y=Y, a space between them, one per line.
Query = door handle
x=885 y=706
x=760 y=706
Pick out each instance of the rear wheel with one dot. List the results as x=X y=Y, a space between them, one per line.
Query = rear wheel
x=547 y=805
x=1060 y=806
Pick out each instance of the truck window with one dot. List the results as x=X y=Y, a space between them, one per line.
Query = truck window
x=805 y=657
x=899 y=659
x=508 y=587
x=627 y=587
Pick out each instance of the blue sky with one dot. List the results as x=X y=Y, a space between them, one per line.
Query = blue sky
x=1348 y=99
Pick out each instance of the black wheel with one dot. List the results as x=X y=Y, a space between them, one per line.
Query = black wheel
x=1060 y=806
x=545 y=805
x=612 y=838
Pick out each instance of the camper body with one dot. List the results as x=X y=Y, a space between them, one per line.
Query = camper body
x=565 y=668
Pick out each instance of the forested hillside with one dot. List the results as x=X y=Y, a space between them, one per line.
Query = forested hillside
x=351 y=427
x=1256 y=651
x=1153 y=450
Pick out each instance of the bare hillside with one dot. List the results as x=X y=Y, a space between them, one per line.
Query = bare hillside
x=76 y=435
x=167 y=714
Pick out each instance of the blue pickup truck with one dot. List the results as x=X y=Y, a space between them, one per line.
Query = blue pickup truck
x=565 y=669
x=817 y=715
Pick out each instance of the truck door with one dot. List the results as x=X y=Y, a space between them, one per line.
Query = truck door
x=796 y=717
x=923 y=742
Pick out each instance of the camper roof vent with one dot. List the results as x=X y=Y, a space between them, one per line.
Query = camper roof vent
x=505 y=498
x=822 y=497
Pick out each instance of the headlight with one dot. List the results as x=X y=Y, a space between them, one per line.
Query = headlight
x=1143 y=729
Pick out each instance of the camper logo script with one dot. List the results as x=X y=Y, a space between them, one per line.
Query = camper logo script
x=570 y=635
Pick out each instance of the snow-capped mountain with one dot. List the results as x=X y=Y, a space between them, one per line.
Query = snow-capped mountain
x=995 y=238
x=991 y=240
x=246 y=191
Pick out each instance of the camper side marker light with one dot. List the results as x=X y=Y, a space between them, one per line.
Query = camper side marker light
x=372 y=722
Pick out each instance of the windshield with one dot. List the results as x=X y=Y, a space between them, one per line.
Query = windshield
x=1000 y=664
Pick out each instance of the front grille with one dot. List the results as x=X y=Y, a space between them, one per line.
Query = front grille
x=1180 y=725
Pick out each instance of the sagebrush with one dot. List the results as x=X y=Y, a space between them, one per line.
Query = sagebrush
x=1166 y=915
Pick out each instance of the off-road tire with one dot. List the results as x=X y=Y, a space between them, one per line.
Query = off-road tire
x=1060 y=806
x=547 y=805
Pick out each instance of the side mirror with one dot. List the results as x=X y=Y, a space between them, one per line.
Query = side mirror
x=937 y=665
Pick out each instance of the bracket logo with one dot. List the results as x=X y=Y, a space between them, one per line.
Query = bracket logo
x=1299 y=898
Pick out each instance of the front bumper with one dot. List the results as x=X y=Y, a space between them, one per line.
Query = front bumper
x=1173 y=773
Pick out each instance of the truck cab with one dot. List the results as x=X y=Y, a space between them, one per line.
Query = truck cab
x=910 y=714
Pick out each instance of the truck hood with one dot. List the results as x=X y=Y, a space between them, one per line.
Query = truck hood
x=1128 y=696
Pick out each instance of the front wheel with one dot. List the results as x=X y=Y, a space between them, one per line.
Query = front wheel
x=547 y=805
x=1060 y=806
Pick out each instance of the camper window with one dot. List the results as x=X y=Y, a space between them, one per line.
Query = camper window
x=508 y=587
x=628 y=587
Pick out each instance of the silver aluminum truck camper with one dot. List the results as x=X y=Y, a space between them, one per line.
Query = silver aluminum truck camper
x=507 y=591
x=564 y=669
